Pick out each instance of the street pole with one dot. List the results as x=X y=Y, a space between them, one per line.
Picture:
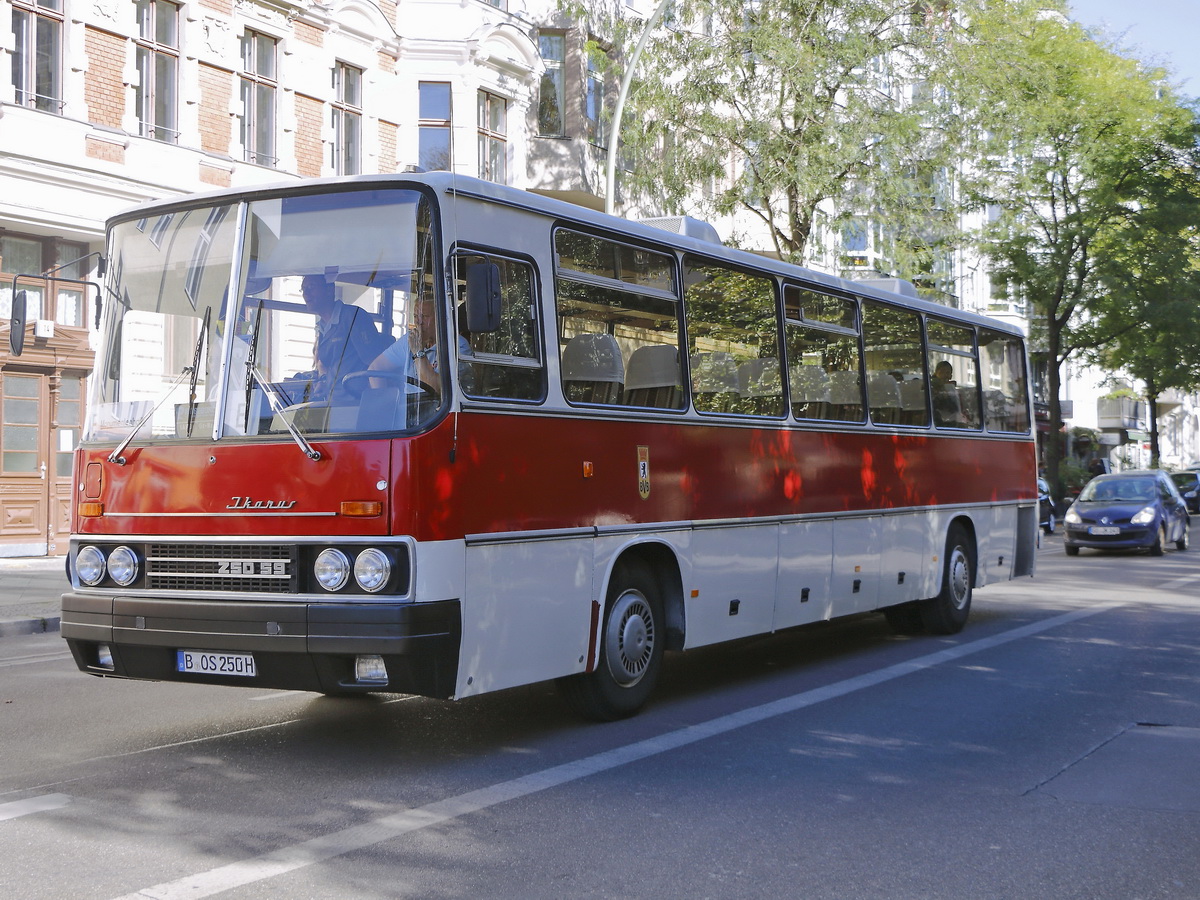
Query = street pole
x=614 y=141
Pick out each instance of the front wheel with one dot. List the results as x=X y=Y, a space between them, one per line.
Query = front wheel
x=1160 y=540
x=631 y=650
x=1182 y=543
x=947 y=612
x=1072 y=550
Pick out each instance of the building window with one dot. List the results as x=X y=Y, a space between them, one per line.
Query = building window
x=37 y=53
x=552 y=96
x=594 y=97
x=156 y=98
x=258 y=85
x=21 y=256
x=347 y=119
x=493 y=130
x=434 y=134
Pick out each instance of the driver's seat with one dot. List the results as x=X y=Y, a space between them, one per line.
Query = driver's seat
x=381 y=409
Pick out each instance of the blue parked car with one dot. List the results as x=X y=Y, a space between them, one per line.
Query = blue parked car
x=1189 y=488
x=1139 y=509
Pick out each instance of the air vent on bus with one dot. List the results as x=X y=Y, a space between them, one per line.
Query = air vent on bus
x=895 y=285
x=685 y=225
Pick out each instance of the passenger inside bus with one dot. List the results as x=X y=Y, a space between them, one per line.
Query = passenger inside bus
x=947 y=410
x=346 y=340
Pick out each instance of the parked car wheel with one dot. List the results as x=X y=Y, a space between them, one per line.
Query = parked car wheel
x=1050 y=525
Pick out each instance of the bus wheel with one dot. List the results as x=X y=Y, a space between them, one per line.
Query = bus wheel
x=904 y=619
x=947 y=612
x=631 y=650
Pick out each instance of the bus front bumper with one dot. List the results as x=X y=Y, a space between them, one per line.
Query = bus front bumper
x=294 y=646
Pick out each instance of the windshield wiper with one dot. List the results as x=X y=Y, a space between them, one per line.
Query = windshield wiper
x=115 y=456
x=251 y=353
x=277 y=407
x=191 y=420
x=192 y=371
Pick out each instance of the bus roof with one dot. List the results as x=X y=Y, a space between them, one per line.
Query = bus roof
x=470 y=188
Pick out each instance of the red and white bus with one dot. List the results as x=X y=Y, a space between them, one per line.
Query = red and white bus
x=426 y=434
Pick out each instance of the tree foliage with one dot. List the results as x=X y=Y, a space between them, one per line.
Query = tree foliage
x=1076 y=148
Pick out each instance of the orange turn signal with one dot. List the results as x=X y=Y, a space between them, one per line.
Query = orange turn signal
x=91 y=510
x=363 y=509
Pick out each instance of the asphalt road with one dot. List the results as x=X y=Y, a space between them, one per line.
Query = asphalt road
x=1049 y=751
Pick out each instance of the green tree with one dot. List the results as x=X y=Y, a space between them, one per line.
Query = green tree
x=1149 y=321
x=779 y=109
x=1068 y=140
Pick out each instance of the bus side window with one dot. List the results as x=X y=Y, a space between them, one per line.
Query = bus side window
x=732 y=319
x=618 y=323
x=953 y=375
x=1005 y=389
x=823 y=356
x=505 y=363
x=895 y=365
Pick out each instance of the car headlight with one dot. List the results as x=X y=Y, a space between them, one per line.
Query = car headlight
x=1145 y=517
x=123 y=566
x=372 y=569
x=1072 y=517
x=332 y=569
x=89 y=563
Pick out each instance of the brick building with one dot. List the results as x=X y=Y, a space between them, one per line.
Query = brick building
x=108 y=103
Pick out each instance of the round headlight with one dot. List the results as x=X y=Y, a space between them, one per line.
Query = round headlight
x=123 y=566
x=332 y=569
x=372 y=569
x=89 y=563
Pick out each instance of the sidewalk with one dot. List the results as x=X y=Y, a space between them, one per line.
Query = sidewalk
x=31 y=588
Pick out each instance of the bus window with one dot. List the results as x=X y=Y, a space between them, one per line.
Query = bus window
x=618 y=323
x=895 y=365
x=507 y=362
x=953 y=375
x=822 y=346
x=733 y=340
x=1005 y=394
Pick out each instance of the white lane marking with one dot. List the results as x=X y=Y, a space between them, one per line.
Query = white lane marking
x=358 y=837
x=44 y=803
x=1176 y=583
x=33 y=658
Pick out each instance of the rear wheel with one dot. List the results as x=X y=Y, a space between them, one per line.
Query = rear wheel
x=947 y=612
x=1051 y=522
x=631 y=649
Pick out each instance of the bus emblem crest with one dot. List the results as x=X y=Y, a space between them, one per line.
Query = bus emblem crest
x=644 y=472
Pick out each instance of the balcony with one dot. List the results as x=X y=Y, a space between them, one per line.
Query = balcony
x=1119 y=413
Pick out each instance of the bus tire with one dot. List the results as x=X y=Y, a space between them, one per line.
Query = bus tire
x=631 y=649
x=947 y=612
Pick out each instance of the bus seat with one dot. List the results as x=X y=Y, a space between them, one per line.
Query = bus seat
x=652 y=377
x=761 y=387
x=883 y=392
x=912 y=402
x=947 y=410
x=592 y=369
x=714 y=381
x=845 y=395
x=810 y=392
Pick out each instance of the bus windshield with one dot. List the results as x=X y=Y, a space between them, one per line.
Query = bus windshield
x=333 y=326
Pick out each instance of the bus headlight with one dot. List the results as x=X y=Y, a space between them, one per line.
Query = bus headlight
x=372 y=569
x=123 y=566
x=332 y=569
x=89 y=563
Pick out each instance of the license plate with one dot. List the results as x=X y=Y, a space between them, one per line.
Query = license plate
x=208 y=662
x=1104 y=529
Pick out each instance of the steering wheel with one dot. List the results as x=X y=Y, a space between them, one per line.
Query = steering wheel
x=387 y=375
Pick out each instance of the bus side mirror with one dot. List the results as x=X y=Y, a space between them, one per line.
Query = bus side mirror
x=16 y=325
x=483 y=298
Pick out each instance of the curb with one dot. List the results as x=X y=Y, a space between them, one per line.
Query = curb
x=15 y=627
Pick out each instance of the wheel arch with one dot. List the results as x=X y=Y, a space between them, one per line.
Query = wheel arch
x=663 y=563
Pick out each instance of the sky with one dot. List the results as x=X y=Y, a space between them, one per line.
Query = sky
x=1165 y=32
